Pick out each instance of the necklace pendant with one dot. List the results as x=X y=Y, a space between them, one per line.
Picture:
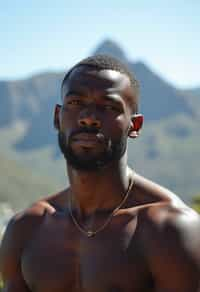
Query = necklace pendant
x=90 y=233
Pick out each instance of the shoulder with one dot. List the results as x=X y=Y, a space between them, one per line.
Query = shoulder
x=174 y=221
x=170 y=236
x=18 y=232
x=164 y=213
x=32 y=214
x=171 y=240
x=24 y=222
x=22 y=225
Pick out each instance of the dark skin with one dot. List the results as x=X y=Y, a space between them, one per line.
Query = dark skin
x=151 y=244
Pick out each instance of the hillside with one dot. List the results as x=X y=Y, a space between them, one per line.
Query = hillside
x=193 y=91
x=192 y=96
x=19 y=187
x=168 y=152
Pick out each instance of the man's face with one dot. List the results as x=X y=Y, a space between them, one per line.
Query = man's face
x=95 y=117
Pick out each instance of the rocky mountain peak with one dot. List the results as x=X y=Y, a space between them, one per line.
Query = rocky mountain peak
x=110 y=47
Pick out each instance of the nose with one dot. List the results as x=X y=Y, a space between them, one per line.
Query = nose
x=89 y=119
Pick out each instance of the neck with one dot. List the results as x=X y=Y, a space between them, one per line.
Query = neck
x=98 y=190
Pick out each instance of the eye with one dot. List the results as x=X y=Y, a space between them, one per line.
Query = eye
x=111 y=107
x=74 y=102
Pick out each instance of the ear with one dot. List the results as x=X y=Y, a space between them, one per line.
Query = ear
x=56 y=116
x=136 y=125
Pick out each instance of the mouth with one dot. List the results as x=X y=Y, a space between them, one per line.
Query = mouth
x=88 y=137
x=88 y=140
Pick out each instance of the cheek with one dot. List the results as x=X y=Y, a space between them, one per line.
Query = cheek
x=117 y=126
x=68 y=120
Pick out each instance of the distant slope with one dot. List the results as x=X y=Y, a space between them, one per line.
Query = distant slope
x=19 y=186
x=169 y=153
x=158 y=99
x=192 y=91
x=196 y=203
x=192 y=96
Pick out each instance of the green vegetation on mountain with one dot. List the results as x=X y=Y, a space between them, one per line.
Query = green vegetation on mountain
x=1 y=286
x=168 y=152
x=19 y=186
x=196 y=203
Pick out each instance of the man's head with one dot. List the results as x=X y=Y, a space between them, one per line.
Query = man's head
x=99 y=112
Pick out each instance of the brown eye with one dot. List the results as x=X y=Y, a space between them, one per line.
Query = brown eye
x=111 y=107
x=74 y=102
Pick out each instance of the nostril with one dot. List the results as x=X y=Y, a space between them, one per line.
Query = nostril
x=89 y=122
x=82 y=122
x=95 y=124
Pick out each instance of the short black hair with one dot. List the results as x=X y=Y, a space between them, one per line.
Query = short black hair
x=107 y=62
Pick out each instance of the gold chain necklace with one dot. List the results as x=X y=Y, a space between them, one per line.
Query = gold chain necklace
x=90 y=233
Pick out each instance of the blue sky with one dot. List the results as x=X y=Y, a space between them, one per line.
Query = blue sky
x=46 y=35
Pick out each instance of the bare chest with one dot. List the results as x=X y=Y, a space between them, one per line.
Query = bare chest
x=60 y=258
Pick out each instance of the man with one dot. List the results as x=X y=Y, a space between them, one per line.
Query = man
x=112 y=229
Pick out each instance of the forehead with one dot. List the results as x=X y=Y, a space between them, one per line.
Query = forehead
x=87 y=77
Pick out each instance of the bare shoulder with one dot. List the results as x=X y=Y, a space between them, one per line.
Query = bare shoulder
x=27 y=219
x=18 y=233
x=170 y=236
x=175 y=224
x=165 y=213
x=24 y=222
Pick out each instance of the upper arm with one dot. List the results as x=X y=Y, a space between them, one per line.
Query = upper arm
x=19 y=231
x=10 y=267
x=174 y=252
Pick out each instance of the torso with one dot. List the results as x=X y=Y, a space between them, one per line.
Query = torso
x=60 y=258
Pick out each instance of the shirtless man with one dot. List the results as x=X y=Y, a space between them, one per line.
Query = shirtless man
x=112 y=229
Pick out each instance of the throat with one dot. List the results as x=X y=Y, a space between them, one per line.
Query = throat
x=90 y=230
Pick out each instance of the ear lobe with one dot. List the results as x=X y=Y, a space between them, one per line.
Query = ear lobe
x=56 y=116
x=136 y=125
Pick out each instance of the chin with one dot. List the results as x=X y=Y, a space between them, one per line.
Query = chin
x=88 y=164
x=90 y=159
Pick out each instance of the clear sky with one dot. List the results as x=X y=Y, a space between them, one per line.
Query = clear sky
x=37 y=35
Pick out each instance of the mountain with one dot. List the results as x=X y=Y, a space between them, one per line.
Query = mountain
x=158 y=98
x=193 y=91
x=192 y=96
x=31 y=101
x=109 y=47
x=167 y=151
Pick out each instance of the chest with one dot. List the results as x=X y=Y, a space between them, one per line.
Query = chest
x=60 y=258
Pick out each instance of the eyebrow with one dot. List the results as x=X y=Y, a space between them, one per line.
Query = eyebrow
x=112 y=98
x=73 y=92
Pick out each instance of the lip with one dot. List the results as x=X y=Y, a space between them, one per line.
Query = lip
x=87 y=137
x=88 y=140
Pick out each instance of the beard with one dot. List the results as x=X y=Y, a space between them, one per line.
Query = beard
x=112 y=151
